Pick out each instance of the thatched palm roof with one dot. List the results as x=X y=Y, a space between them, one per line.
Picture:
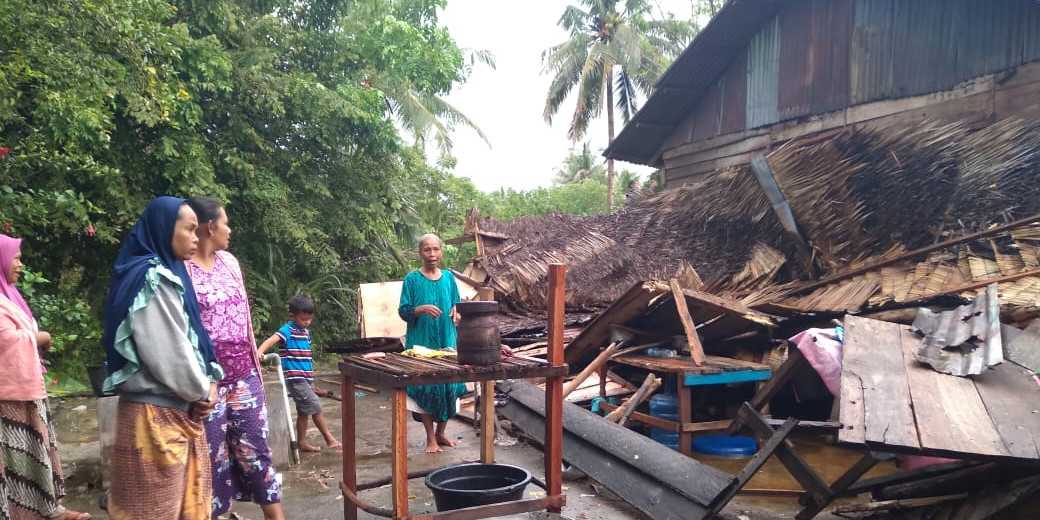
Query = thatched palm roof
x=857 y=196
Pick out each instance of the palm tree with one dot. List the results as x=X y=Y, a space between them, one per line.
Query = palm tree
x=578 y=166
x=615 y=49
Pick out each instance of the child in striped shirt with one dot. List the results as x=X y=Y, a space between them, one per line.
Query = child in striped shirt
x=294 y=347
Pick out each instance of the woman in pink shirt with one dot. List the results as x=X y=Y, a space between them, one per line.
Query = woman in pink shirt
x=31 y=481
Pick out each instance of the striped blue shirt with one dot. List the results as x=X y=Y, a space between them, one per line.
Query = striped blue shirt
x=295 y=350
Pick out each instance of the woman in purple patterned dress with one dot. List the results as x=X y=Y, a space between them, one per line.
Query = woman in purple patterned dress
x=237 y=428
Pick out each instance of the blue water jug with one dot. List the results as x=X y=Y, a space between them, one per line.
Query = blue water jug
x=665 y=407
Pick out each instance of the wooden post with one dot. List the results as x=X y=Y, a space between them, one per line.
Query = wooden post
x=554 y=385
x=487 y=400
x=696 y=350
x=349 y=438
x=487 y=422
x=399 y=453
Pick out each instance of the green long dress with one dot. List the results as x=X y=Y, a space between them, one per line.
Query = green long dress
x=436 y=333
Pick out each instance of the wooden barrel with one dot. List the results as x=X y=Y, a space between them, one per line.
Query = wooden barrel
x=479 y=342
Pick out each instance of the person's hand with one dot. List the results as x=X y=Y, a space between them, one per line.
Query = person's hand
x=200 y=409
x=455 y=316
x=43 y=341
x=430 y=310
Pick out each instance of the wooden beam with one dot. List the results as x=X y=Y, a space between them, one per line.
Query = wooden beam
x=696 y=350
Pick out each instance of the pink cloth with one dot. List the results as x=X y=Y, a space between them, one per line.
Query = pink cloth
x=225 y=315
x=23 y=380
x=823 y=351
x=9 y=247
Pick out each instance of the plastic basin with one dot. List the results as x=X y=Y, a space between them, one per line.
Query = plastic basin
x=467 y=485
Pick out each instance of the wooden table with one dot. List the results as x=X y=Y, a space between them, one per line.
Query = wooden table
x=716 y=370
x=397 y=371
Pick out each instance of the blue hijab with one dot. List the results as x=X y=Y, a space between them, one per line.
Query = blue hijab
x=151 y=237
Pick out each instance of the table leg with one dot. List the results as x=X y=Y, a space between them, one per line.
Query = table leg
x=348 y=434
x=554 y=438
x=685 y=404
x=487 y=422
x=399 y=453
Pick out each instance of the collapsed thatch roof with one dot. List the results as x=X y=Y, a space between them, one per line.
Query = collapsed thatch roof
x=857 y=196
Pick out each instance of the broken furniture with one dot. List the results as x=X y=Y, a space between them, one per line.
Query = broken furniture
x=891 y=403
x=644 y=473
x=715 y=371
x=397 y=371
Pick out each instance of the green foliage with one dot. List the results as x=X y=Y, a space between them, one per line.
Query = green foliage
x=278 y=108
x=580 y=198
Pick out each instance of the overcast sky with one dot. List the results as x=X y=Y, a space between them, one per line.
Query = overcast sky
x=507 y=102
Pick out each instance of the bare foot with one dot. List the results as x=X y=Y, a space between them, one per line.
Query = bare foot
x=444 y=441
x=336 y=446
x=433 y=448
x=75 y=515
x=310 y=449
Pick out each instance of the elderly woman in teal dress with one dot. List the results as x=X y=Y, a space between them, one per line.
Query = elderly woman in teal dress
x=427 y=305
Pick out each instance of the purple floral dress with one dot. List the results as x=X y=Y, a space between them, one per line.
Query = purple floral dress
x=237 y=428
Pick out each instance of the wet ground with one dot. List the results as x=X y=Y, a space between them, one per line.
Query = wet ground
x=310 y=490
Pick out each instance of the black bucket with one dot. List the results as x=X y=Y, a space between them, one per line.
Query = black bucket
x=468 y=485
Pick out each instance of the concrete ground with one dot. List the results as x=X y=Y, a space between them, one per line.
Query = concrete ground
x=310 y=490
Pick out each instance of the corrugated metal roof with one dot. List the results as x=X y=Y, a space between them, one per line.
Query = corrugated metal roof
x=763 y=74
x=680 y=88
x=897 y=48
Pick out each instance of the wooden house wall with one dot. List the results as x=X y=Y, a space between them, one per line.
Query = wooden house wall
x=821 y=64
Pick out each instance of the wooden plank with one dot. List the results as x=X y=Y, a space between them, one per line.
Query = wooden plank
x=694 y=342
x=1024 y=348
x=899 y=477
x=873 y=359
x=950 y=401
x=1010 y=394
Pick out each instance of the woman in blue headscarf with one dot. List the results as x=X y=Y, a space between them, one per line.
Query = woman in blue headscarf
x=161 y=363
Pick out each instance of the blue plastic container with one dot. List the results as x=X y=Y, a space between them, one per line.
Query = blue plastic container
x=665 y=407
x=725 y=445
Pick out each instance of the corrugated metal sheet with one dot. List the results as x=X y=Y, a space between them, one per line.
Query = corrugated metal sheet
x=872 y=50
x=796 y=60
x=962 y=341
x=906 y=48
x=706 y=122
x=832 y=25
x=763 y=73
x=734 y=97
